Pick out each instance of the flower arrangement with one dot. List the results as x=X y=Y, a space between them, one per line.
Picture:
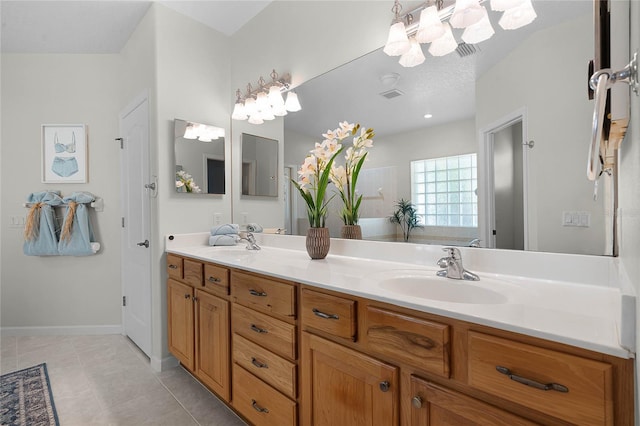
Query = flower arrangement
x=345 y=177
x=184 y=180
x=314 y=175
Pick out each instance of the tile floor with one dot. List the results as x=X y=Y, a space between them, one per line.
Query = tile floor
x=107 y=380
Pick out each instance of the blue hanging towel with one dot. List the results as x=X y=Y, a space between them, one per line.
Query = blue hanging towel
x=77 y=234
x=41 y=230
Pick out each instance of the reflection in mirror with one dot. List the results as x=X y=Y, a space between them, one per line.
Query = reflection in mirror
x=259 y=166
x=532 y=82
x=199 y=154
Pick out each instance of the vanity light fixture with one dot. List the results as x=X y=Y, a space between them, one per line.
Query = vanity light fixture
x=266 y=101
x=435 y=22
x=202 y=132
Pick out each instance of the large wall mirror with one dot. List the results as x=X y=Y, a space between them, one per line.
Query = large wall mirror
x=523 y=91
x=259 y=166
x=199 y=158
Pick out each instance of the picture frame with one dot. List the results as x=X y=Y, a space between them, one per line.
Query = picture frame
x=64 y=153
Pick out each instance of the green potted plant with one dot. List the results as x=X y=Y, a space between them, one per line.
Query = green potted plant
x=406 y=216
x=345 y=177
x=312 y=185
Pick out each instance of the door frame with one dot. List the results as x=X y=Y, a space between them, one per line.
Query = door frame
x=486 y=203
x=131 y=106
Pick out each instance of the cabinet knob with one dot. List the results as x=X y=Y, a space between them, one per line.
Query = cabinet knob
x=173 y=266
x=384 y=386
x=416 y=401
x=186 y=296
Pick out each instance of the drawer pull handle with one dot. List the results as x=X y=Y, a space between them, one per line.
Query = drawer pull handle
x=257 y=293
x=258 y=363
x=173 y=266
x=258 y=329
x=532 y=383
x=416 y=401
x=213 y=280
x=385 y=386
x=258 y=408
x=323 y=315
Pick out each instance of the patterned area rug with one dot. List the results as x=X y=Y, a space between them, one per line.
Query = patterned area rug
x=26 y=399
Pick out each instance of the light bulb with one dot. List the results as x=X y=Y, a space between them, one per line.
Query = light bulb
x=445 y=44
x=190 y=132
x=466 y=13
x=430 y=26
x=414 y=56
x=275 y=96
x=239 y=112
x=397 y=41
x=262 y=102
x=250 y=107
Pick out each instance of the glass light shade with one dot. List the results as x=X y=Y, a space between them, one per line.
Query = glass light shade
x=502 y=5
x=430 y=26
x=445 y=44
x=466 y=13
x=518 y=16
x=275 y=96
x=239 y=112
x=250 y=107
x=480 y=31
x=292 y=104
x=190 y=132
x=256 y=119
x=279 y=111
x=267 y=114
x=414 y=56
x=397 y=42
x=205 y=138
x=262 y=102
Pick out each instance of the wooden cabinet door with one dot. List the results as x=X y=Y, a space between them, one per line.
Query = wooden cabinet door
x=345 y=387
x=180 y=322
x=433 y=405
x=212 y=342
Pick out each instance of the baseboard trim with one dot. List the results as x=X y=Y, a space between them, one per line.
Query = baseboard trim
x=159 y=365
x=73 y=330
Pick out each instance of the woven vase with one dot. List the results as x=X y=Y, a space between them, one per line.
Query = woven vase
x=318 y=242
x=351 y=232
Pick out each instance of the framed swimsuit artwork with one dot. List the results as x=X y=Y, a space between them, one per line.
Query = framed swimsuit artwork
x=64 y=153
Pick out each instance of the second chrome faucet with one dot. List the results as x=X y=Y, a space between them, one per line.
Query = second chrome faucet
x=452 y=264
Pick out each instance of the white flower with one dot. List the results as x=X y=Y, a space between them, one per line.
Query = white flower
x=338 y=176
x=179 y=184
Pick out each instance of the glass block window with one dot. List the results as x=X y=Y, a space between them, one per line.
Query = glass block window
x=443 y=190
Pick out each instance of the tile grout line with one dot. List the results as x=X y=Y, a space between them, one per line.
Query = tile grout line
x=177 y=400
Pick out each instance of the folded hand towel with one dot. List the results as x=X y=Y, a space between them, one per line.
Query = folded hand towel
x=223 y=240
x=229 y=228
x=254 y=227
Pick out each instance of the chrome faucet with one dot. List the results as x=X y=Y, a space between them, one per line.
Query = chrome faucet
x=250 y=239
x=474 y=243
x=452 y=264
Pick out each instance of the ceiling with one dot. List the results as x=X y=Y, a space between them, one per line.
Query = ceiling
x=103 y=26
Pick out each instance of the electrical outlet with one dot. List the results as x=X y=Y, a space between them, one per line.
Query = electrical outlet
x=578 y=219
x=217 y=218
x=17 y=222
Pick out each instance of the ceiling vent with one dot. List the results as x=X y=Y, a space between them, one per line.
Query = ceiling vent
x=393 y=93
x=465 y=49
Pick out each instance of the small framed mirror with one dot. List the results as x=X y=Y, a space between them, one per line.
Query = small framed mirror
x=199 y=153
x=259 y=166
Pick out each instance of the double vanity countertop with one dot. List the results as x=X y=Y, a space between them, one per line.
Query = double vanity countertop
x=571 y=299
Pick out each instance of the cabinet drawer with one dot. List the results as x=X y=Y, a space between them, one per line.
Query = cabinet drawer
x=174 y=266
x=273 y=369
x=216 y=279
x=415 y=341
x=263 y=294
x=259 y=402
x=332 y=314
x=585 y=397
x=192 y=272
x=271 y=333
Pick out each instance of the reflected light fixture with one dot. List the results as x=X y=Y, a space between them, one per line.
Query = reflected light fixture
x=202 y=132
x=434 y=26
x=266 y=101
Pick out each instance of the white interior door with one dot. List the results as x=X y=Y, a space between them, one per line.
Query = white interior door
x=136 y=255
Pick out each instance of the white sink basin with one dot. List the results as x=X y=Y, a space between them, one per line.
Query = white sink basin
x=426 y=285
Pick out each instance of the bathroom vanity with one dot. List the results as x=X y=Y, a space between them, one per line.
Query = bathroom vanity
x=284 y=340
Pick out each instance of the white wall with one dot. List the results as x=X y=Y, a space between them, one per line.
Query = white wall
x=60 y=291
x=560 y=127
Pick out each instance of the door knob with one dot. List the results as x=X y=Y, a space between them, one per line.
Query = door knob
x=145 y=244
